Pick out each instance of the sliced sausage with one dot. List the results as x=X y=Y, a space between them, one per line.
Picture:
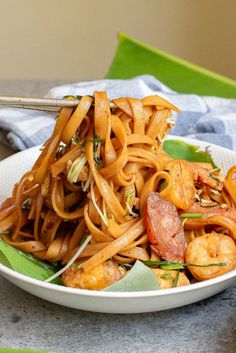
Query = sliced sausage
x=164 y=228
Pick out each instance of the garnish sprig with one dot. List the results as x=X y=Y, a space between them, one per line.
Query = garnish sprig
x=74 y=140
x=176 y=280
x=191 y=215
x=206 y=203
x=172 y=265
x=25 y=206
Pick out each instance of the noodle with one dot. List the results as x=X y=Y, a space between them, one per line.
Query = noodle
x=94 y=177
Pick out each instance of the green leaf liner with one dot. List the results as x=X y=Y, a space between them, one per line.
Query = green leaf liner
x=181 y=150
x=140 y=278
x=15 y=350
x=134 y=58
x=25 y=263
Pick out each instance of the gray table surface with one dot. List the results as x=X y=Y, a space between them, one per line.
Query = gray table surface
x=28 y=322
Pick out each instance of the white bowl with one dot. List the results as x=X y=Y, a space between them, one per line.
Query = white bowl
x=11 y=170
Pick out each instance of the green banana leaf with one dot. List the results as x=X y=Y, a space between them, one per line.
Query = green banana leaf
x=15 y=350
x=134 y=58
x=181 y=150
x=25 y=263
x=140 y=278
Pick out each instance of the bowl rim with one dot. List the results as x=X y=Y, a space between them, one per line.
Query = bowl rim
x=121 y=295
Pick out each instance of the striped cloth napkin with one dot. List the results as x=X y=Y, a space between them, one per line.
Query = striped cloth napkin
x=210 y=119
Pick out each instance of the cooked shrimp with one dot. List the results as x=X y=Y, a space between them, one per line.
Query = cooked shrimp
x=208 y=249
x=98 y=278
x=166 y=278
x=182 y=191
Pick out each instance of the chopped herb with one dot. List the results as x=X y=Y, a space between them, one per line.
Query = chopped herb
x=215 y=177
x=163 y=184
x=166 y=276
x=191 y=215
x=198 y=197
x=171 y=265
x=218 y=183
x=104 y=211
x=130 y=211
x=123 y=266
x=103 y=217
x=98 y=160
x=215 y=192
x=84 y=237
x=70 y=96
x=175 y=281
x=74 y=140
x=59 y=150
x=26 y=204
x=76 y=168
x=129 y=196
x=214 y=171
x=96 y=140
x=203 y=203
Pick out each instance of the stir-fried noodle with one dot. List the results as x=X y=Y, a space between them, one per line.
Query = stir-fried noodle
x=103 y=174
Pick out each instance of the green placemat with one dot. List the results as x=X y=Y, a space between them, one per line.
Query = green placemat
x=134 y=58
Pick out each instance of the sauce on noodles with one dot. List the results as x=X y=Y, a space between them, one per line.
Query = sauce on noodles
x=103 y=176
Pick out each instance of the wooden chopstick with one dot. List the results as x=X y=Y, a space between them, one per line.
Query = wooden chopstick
x=45 y=104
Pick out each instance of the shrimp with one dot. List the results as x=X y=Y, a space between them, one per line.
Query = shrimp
x=98 y=278
x=182 y=191
x=211 y=248
x=167 y=277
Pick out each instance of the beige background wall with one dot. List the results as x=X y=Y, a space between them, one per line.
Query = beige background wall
x=76 y=39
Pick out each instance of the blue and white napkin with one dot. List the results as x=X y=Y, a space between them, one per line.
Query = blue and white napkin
x=210 y=119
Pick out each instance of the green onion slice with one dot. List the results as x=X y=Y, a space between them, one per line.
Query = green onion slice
x=172 y=265
x=191 y=215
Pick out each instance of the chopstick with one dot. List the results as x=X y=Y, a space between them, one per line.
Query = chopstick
x=47 y=104
x=44 y=104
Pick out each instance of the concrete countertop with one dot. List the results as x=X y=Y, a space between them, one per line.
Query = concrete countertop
x=208 y=326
